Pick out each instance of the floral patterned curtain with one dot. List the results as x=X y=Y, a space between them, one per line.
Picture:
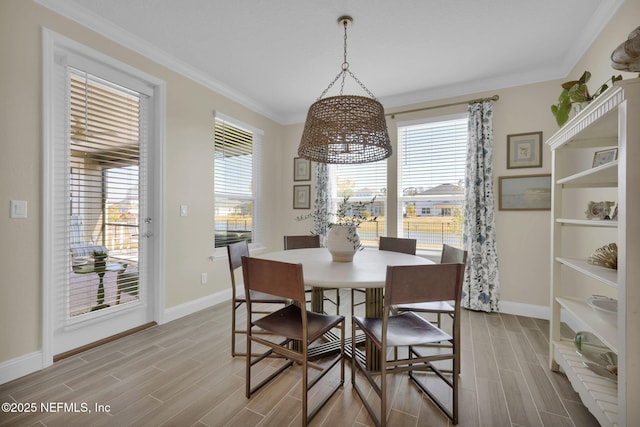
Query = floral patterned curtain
x=322 y=204
x=481 y=288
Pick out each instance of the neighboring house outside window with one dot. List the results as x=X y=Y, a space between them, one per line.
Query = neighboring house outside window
x=431 y=170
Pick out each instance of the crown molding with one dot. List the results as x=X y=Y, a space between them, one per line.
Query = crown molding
x=124 y=38
x=591 y=30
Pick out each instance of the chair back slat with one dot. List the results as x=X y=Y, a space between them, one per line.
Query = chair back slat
x=236 y=251
x=398 y=244
x=301 y=242
x=452 y=255
x=409 y=284
x=273 y=277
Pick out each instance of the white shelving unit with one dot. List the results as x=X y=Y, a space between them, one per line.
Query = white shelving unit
x=611 y=121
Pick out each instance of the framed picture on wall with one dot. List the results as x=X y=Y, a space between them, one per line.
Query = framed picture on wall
x=301 y=169
x=524 y=150
x=302 y=197
x=524 y=193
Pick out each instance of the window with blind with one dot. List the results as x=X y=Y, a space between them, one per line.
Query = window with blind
x=104 y=179
x=431 y=172
x=235 y=169
x=363 y=182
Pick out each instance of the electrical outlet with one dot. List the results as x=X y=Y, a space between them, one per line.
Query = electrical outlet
x=203 y=278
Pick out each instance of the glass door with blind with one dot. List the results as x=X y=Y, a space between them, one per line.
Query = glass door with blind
x=102 y=218
x=104 y=196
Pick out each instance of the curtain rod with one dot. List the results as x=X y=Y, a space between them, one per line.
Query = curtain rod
x=433 y=107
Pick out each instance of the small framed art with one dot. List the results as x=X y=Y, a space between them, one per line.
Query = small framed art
x=301 y=197
x=301 y=169
x=524 y=150
x=605 y=156
x=524 y=193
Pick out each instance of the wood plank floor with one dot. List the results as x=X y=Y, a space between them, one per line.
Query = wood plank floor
x=181 y=374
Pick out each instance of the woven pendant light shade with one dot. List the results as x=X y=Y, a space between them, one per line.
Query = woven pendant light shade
x=345 y=129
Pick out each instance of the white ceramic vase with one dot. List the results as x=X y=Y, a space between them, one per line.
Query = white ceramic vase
x=343 y=242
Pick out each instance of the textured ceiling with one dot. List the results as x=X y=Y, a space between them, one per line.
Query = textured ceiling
x=277 y=56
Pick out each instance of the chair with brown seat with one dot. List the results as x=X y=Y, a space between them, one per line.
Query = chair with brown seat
x=299 y=328
x=450 y=255
x=407 y=285
x=311 y=241
x=235 y=252
x=392 y=244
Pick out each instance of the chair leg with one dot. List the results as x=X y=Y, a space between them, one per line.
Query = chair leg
x=455 y=381
x=305 y=382
x=378 y=390
x=383 y=390
x=234 y=307
x=247 y=381
x=353 y=310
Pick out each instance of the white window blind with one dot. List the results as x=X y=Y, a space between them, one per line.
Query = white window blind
x=103 y=187
x=431 y=171
x=234 y=185
x=363 y=182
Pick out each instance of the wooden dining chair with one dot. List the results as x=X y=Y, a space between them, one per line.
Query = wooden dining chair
x=398 y=244
x=299 y=328
x=301 y=242
x=408 y=285
x=450 y=255
x=312 y=241
x=392 y=244
x=235 y=252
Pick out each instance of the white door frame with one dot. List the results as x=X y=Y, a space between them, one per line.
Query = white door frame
x=51 y=44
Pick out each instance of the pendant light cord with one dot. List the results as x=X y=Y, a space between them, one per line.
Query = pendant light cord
x=345 y=69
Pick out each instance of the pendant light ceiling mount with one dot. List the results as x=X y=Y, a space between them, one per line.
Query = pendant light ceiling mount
x=345 y=128
x=345 y=21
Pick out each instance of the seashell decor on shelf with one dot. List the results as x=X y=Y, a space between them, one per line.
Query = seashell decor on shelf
x=606 y=256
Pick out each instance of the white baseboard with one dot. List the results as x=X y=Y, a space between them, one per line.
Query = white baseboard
x=528 y=310
x=176 y=312
x=541 y=312
x=20 y=366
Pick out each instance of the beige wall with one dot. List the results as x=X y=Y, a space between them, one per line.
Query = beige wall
x=523 y=236
x=188 y=173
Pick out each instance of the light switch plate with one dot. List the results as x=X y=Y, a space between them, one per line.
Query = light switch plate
x=184 y=211
x=18 y=209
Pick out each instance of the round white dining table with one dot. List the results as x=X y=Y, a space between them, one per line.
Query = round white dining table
x=368 y=269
